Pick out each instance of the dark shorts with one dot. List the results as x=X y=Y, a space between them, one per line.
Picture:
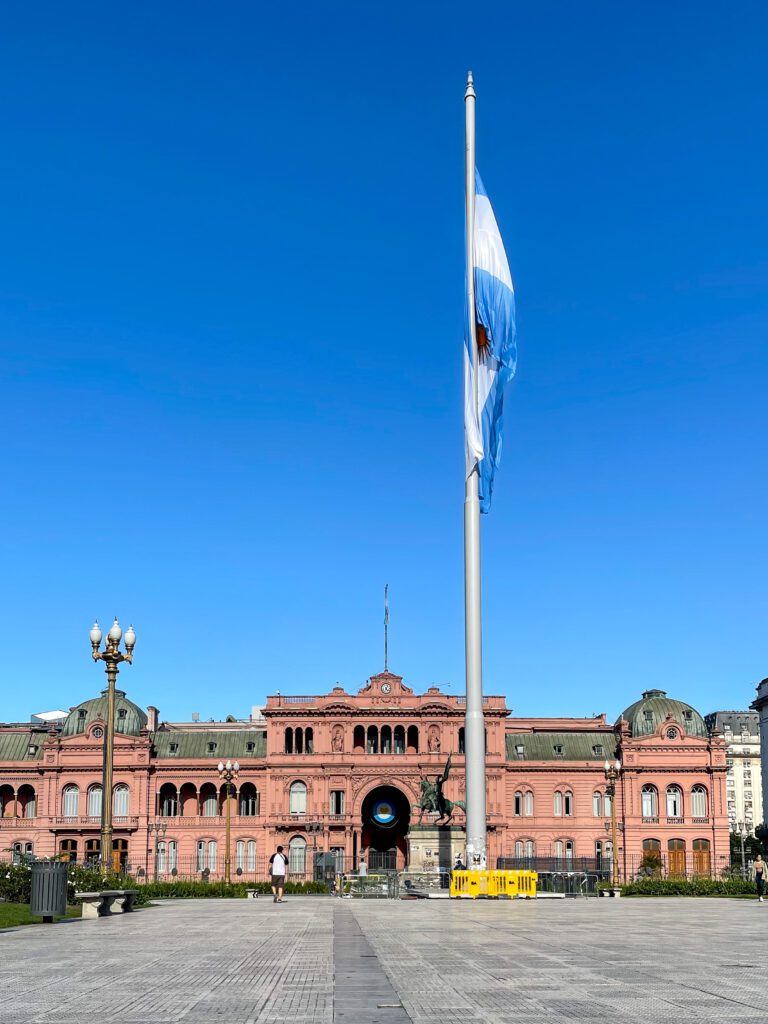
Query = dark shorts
x=278 y=881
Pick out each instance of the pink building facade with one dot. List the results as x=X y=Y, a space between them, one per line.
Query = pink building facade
x=341 y=773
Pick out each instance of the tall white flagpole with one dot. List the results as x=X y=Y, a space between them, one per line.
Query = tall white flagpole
x=474 y=723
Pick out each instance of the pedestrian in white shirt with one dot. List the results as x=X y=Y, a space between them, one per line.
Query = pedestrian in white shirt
x=278 y=868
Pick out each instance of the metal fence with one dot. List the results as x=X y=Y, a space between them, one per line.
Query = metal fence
x=681 y=864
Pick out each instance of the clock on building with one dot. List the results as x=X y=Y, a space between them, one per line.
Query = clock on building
x=385 y=687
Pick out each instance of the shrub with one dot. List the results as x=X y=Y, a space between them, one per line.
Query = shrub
x=16 y=882
x=180 y=890
x=688 y=887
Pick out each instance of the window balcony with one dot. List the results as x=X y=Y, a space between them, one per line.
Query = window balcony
x=700 y=821
x=650 y=819
x=675 y=821
x=80 y=821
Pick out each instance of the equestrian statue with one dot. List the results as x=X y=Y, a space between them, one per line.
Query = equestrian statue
x=433 y=800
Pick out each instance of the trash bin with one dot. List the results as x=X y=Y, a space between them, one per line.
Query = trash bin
x=49 y=890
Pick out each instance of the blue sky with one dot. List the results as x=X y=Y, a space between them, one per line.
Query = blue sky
x=230 y=357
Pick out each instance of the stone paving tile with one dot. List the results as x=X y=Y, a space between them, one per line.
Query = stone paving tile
x=325 y=961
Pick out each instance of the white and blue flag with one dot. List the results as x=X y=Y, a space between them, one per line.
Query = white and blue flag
x=496 y=350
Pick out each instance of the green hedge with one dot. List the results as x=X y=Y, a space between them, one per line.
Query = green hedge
x=689 y=887
x=16 y=882
x=220 y=890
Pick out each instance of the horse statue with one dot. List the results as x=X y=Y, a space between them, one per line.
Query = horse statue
x=433 y=799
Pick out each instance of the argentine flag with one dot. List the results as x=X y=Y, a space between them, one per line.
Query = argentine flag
x=497 y=353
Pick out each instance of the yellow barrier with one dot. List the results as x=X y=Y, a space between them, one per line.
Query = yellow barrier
x=470 y=885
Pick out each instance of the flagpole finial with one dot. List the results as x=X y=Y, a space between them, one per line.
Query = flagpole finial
x=470 y=86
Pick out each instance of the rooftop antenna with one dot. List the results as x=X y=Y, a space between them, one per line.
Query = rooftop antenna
x=386 y=627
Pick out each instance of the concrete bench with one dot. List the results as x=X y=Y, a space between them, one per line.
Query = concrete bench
x=99 y=904
x=251 y=894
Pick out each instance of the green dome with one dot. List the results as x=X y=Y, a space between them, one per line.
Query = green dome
x=129 y=718
x=647 y=714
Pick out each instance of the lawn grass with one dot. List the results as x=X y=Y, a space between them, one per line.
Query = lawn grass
x=13 y=914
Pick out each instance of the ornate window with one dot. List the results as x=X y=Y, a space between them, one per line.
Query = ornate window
x=597 y=804
x=558 y=804
x=212 y=850
x=568 y=804
x=209 y=800
x=337 y=801
x=251 y=851
x=71 y=801
x=518 y=804
x=94 y=801
x=399 y=734
x=649 y=799
x=169 y=801
x=298 y=798
x=607 y=802
x=699 y=802
x=297 y=855
x=248 y=800
x=674 y=802
x=121 y=801
x=528 y=804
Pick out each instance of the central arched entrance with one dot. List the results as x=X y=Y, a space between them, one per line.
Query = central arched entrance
x=386 y=815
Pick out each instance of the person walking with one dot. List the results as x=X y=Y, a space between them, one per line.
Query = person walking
x=278 y=867
x=760 y=876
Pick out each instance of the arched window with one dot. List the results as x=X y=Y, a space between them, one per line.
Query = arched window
x=27 y=801
x=161 y=856
x=212 y=851
x=701 y=858
x=529 y=804
x=289 y=741
x=399 y=739
x=518 y=804
x=564 y=849
x=309 y=740
x=189 y=805
x=558 y=807
x=251 y=861
x=519 y=849
x=386 y=739
x=298 y=798
x=699 y=802
x=373 y=740
x=413 y=739
x=597 y=805
x=71 y=803
x=209 y=800
x=674 y=802
x=649 y=798
x=297 y=856
x=94 y=802
x=68 y=849
x=200 y=858
x=7 y=801
x=358 y=738
x=607 y=801
x=462 y=747
x=169 y=803
x=248 y=802
x=298 y=741
x=568 y=804
x=121 y=801
x=558 y=849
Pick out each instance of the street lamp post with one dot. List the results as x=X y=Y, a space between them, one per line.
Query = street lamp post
x=742 y=837
x=612 y=771
x=314 y=828
x=111 y=656
x=159 y=828
x=228 y=772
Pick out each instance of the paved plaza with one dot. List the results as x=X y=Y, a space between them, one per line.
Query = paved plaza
x=323 y=960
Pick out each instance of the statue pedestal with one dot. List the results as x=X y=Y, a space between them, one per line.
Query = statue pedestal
x=431 y=847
